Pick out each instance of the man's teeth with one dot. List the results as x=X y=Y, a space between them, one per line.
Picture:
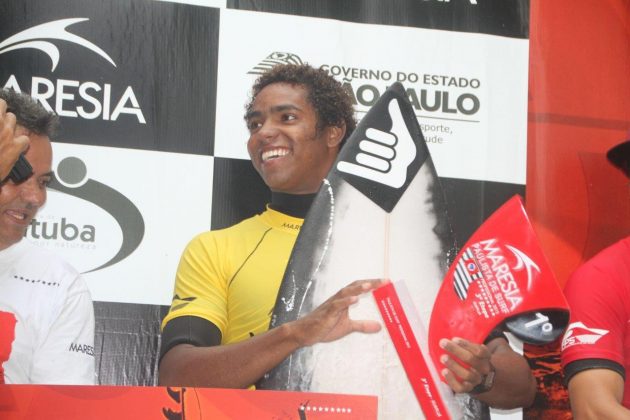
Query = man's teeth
x=271 y=154
x=17 y=215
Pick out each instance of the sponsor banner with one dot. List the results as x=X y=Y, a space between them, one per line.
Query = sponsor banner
x=122 y=217
x=474 y=130
x=494 y=17
x=122 y=403
x=112 y=83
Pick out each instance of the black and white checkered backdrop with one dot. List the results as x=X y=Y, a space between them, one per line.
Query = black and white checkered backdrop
x=151 y=94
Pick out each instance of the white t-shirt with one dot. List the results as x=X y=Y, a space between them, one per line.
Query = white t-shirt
x=46 y=319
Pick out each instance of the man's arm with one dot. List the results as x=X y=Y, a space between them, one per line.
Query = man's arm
x=241 y=364
x=597 y=394
x=10 y=146
x=514 y=385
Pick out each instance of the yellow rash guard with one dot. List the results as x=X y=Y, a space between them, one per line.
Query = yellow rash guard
x=231 y=277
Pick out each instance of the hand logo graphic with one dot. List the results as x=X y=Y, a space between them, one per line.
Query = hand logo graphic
x=385 y=156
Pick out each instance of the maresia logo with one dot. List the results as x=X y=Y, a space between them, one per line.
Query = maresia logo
x=490 y=259
x=38 y=37
x=487 y=256
x=91 y=198
x=70 y=98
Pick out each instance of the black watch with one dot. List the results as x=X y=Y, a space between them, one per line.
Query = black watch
x=487 y=381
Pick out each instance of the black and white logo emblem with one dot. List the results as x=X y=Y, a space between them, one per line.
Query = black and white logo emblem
x=39 y=37
x=385 y=155
x=71 y=178
x=274 y=59
x=385 y=151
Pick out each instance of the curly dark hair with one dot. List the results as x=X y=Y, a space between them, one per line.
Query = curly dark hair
x=329 y=98
x=29 y=113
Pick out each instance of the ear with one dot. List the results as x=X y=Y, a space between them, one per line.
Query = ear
x=334 y=134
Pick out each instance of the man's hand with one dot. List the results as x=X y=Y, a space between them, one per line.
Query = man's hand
x=462 y=352
x=241 y=364
x=10 y=146
x=330 y=321
x=467 y=363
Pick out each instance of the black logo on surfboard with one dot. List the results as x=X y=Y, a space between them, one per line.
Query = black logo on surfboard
x=385 y=151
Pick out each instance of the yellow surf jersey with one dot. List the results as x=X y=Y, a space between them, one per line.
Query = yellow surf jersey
x=231 y=277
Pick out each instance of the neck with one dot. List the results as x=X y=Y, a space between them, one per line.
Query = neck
x=292 y=204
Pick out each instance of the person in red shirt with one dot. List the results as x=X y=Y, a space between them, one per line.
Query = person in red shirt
x=596 y=346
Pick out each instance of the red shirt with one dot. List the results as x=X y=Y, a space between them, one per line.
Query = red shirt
x=599 y=333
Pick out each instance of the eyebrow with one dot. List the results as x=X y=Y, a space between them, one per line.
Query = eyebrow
x=50 y=174
x=274 y=109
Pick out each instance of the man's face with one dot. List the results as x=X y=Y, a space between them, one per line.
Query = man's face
x=19 y=202
x=284 y=144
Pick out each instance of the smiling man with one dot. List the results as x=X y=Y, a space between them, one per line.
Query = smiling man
x=46 y=314
x=297 y=161
x=216 y=333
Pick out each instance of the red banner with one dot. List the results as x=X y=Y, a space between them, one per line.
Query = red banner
x=120 y=403
x=576 y=199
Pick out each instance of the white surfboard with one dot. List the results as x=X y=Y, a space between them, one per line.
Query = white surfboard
x=380 y=213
